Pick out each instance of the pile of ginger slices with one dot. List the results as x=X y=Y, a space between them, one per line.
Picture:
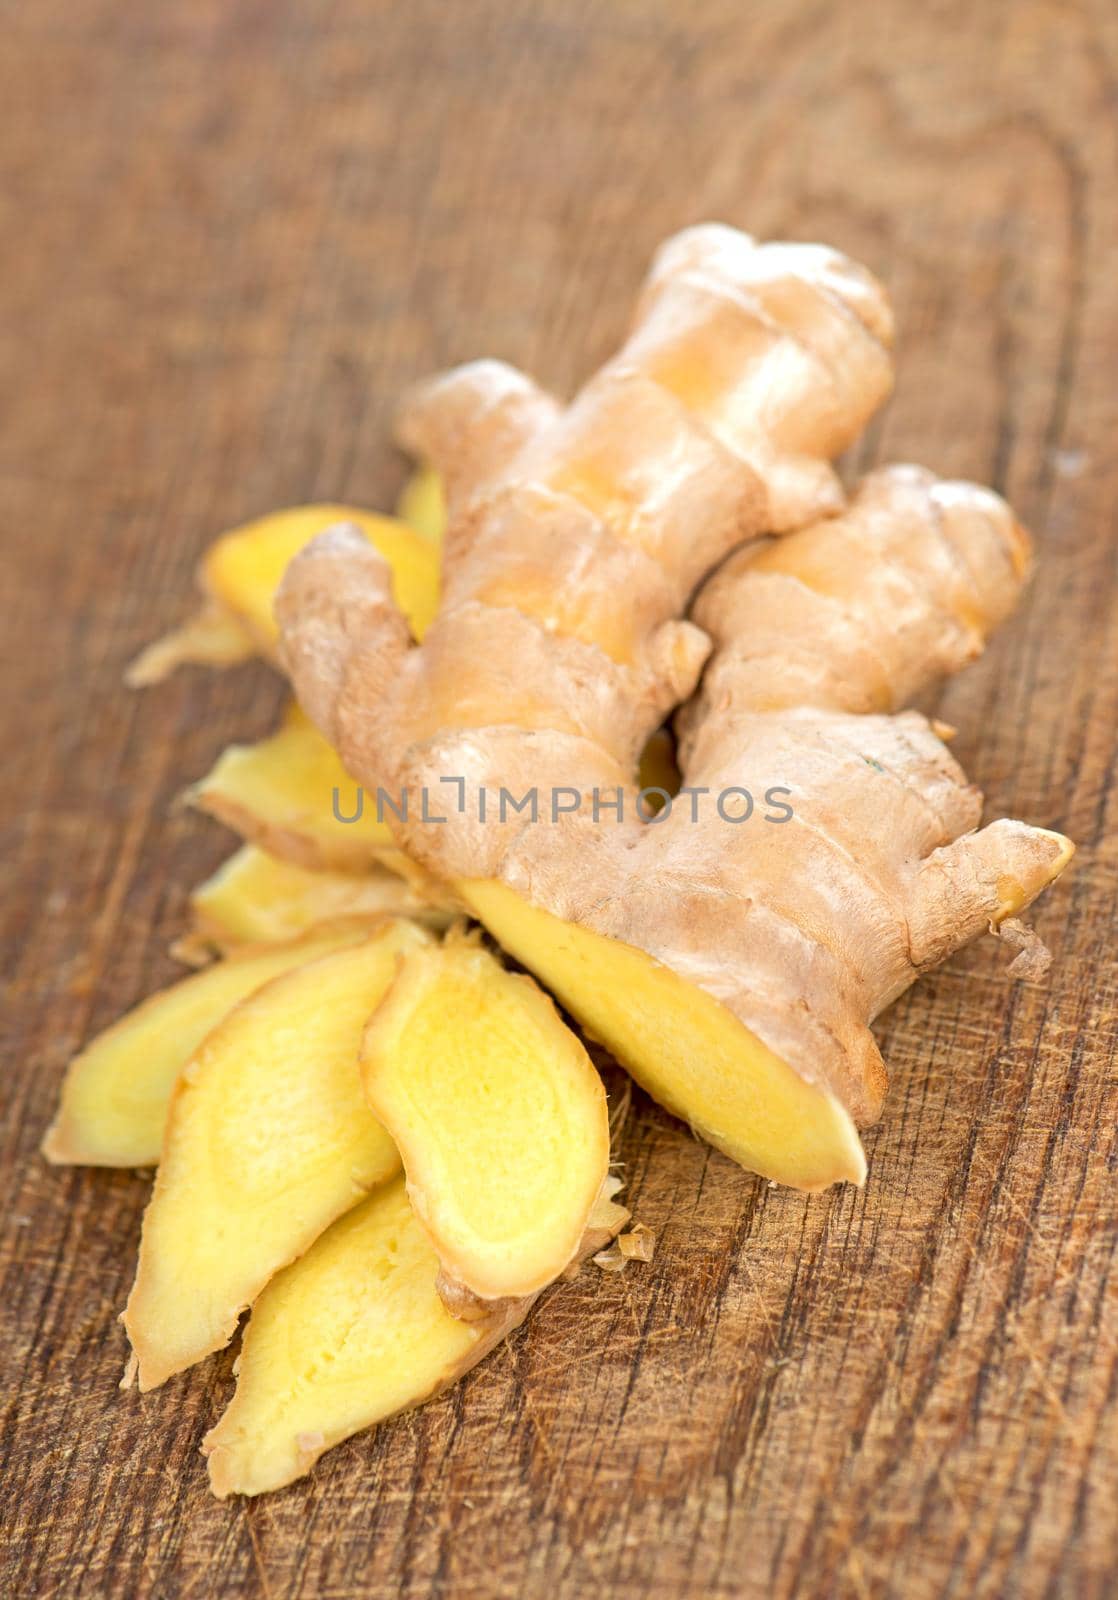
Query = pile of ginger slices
x=372 y=1128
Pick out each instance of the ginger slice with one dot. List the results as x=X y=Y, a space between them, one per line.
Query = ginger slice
x=255 y=898
x=499 y=1115
x=422 y=504
x=268 y=1140
x=286 y=794
x=349 y=1335
x=113 y=1105
x=240 y=572
x=212 y=637
x=682 y=1045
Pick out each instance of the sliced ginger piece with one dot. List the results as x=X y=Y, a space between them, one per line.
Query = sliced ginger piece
x=241 y=571
x=287 y=793
x=422 y=504
x=350 y=1334
x=114 y=1100
x=637 y=1244
x=280 y=794
x=255 y=898
x=682 y=1045
x=498 y=1113
x=212 y=637
x=268 y=1140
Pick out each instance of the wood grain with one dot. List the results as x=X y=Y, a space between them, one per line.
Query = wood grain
x=234 y=229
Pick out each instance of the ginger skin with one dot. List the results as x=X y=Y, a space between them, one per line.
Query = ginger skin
x=801 y=934
x=632 y=486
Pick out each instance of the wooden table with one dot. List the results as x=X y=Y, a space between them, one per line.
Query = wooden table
x=233 y=231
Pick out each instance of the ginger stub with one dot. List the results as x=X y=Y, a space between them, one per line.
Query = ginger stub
x=212 y=637
x=498 y=1113
x=113 y=1105
x=268 y=1140
x=350 y=1334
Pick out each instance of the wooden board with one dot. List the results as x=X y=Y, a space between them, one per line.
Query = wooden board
x=233 y=232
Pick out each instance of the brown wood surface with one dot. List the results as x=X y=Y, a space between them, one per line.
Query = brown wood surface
x=232 y=232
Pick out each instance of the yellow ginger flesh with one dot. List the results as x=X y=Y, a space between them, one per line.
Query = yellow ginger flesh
x=240 y=572
x=422 y=505
x=350 y=1334
x=280 y=794
x=113 y=1106
x=268 y=1139
x=681 y=1045
x=498 y=1113
x=257 y=898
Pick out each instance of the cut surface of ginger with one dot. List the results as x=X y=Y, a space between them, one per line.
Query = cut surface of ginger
x=422 y=505
x=682 y=1045
x=255 y=898
x=114 y=1100
x=498 y=1113
x=280 y=794
x=268 y=1140
x=348 y=1335
x=242 y=570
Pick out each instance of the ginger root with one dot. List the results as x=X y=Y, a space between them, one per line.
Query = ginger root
x=606 y=565
x=760 y=953
x=498 y=1113
x=268 y=1140
x=113 y=1105
x=349 y=1335
x=803 y=930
